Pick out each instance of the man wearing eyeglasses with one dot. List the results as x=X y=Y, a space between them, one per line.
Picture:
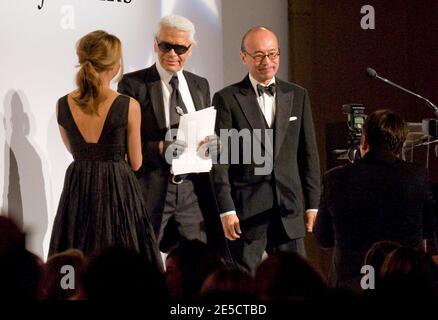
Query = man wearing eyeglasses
x=178 y=205
x=266 y=211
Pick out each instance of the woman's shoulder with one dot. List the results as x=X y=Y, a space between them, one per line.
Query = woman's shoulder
x=68 y=98
x=132 y=103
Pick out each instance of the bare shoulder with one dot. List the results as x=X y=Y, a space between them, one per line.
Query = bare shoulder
x=69 y=97
x=134 y=108
x=133 y=104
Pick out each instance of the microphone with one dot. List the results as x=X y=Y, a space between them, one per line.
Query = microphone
x=373 y=74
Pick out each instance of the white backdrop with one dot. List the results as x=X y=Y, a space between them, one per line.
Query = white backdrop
x=37 y=66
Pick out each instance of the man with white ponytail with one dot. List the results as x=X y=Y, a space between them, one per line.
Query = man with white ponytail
x=182 y=207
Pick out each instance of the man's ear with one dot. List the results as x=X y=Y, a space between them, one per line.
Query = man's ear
x=243 y=57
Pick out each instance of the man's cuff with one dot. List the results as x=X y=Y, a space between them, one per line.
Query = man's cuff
x=228 y=213
x=312 y=210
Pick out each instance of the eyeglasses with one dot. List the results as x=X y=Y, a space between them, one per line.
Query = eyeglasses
x=178 y=48
x=259 y=57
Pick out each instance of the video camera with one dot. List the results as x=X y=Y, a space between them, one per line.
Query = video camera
x=356 y=118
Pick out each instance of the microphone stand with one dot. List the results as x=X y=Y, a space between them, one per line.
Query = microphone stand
x=428 y=102
x=430 y=126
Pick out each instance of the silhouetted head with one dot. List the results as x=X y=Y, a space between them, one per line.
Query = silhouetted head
x=20 y=270
x=121 y=274
x=12 y=237
x=228 y=284
x=287 y=276
x=408 y=274
x=378 y=252
x=55 y=272
x=384 y=130
x=187 y=266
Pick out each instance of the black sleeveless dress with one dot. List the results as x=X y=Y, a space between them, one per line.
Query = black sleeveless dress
x=101 y=203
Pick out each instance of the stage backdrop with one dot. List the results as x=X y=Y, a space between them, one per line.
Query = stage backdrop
x=37 y=66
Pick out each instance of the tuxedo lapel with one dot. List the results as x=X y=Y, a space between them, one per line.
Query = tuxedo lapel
x=251 y=109
x=195 y=91
x=153 y=82
x=250 y=106
x=282 y=114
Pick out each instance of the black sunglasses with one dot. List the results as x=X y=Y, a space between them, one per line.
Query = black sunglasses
x=178 y=48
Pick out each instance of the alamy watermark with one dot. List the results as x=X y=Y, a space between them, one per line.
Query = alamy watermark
x=368 y=21
x=368 y=280
x=68 y=280
x=244 y=146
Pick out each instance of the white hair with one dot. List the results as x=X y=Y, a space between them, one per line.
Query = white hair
x=178 y=22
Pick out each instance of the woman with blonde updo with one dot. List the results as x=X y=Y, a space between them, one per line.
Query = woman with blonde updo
x=101 y=204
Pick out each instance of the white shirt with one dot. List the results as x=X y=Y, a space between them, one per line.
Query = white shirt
x=165 y=77
x=266 y=101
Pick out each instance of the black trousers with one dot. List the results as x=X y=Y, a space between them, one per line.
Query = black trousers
x=182 y=216
x=264 y=233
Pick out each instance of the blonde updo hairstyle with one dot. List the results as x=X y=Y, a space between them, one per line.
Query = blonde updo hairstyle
x=98 y=51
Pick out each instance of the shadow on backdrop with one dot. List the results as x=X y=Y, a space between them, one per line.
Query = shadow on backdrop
x=24 y=181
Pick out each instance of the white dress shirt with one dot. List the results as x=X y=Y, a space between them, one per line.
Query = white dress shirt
x=266 y=101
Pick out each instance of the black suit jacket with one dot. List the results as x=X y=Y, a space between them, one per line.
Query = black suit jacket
x=377 y=198
x=293 y=153
x=145 y=86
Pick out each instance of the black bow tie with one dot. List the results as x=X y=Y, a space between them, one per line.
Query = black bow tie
x=268 y=89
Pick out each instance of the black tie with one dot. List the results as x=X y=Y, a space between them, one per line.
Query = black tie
x=268 y=89
x=177 y=106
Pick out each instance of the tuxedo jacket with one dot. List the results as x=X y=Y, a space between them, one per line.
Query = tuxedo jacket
x=145 y=86
x=293 y=185
x=379 y=197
